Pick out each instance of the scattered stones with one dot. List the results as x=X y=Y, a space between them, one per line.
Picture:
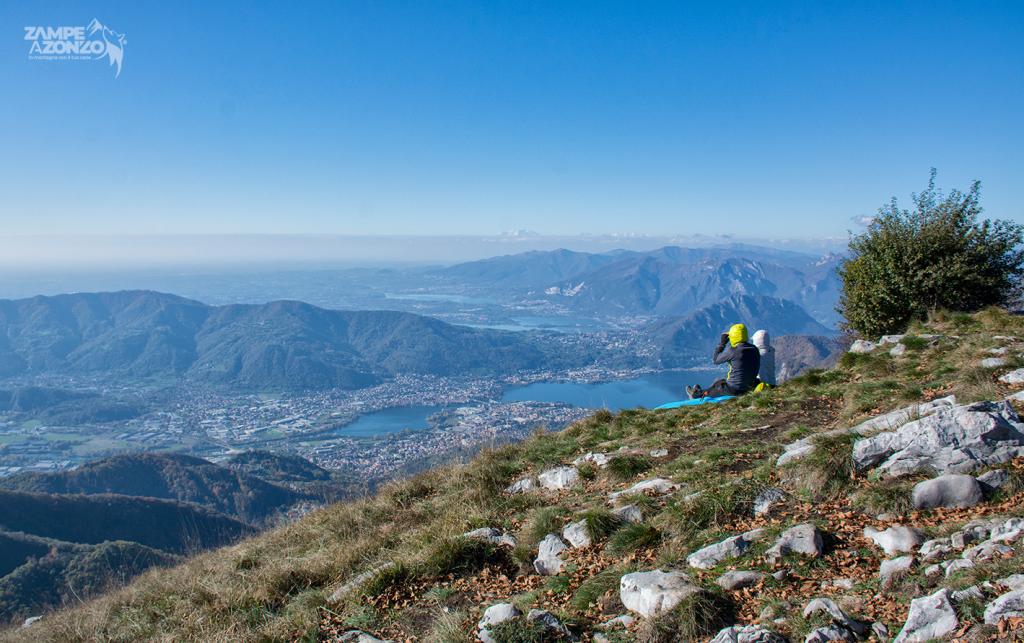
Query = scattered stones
x=559 y=478
x=952 y=440
x=1013 y=377
x=492 y=535
x=738 y=579
x=804 y=539
x=655 y=486
x=650 y=593
x=766 y=499
x=576 y=533
x=954 y=490
x=930 y=617
x=548 y=562
x=990 y=481
x=629 y=513
x=747 y=634
x=894 y=568
x=523 y=485
x=599 y=459
x=1009 y=605
x=993 y=362
x=897 y=539
x=862 y=346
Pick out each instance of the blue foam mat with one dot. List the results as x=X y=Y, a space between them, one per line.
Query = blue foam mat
x=696 y=402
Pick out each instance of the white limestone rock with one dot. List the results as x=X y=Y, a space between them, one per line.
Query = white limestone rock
x=737 y=579
x=862 y=346
x=838 y=616
x=629 y=513
x=954 y=440
x=987 y=551
x=993 y=362
x=492 y=535
x=897 y=539
x=1009 y=605
x=767 y=499
x=355 y=636
x=1014 y=377
x=710 y=556
x=576 y=534
x=598 y=459
x=1012 y=582
x=559 y=478
x=803 y=539
x=894 y=568
x=654 y=486
x=953 y=490
x=549 y=561
x=930 y=617
x=747 y=634
x=523 y=485
x=991 y=481
x=651 y=593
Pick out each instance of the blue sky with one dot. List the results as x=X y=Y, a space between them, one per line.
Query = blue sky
x=758 y=119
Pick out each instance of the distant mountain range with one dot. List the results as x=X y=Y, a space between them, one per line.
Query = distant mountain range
x=681 y=340
x=280 y=345
x=668 y=281
x=67 y=534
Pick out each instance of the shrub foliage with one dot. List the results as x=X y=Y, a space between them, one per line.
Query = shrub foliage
x=938 y=255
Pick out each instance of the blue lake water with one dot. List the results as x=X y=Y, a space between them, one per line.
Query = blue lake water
x=647 y=391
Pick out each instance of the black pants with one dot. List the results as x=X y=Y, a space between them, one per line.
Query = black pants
x=718 y=389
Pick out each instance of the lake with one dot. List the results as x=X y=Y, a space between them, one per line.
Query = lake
x=647 y=391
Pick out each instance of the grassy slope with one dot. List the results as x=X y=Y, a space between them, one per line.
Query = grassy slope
x=276 y=586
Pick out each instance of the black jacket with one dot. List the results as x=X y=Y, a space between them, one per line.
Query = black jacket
x=744 y=362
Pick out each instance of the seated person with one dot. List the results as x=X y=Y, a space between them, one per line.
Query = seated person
x=764 y=346
x=744 y=362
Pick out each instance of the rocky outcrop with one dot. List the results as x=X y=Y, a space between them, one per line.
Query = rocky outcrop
x=738 y=579
x=523 y=485
x=954 y=440
x=886 y=422
x=491 y=535
x=654 y=486
x=654 y=592
x=494 y=615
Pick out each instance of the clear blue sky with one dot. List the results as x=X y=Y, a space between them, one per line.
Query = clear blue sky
x=762 y=118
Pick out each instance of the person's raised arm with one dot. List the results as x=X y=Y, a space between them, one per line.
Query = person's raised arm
x=721 y=355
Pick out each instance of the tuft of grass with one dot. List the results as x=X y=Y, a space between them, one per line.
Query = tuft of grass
x=451 y=627
x=592 y=589
x=697 y=617
x=600 y=523
x=544 y=521
x=884 y=496
x=387 y=578
x=587 y=471
x=626 y=467
x=632 y=537
x=521 y=630
x=458 y=556
x=827 y=471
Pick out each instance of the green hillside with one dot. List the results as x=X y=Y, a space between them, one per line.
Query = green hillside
x=399 y=566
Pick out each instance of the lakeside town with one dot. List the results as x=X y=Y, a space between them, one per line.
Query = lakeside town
x=466 y=413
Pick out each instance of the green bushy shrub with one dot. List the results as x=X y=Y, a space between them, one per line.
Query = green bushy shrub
x=938 y=255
